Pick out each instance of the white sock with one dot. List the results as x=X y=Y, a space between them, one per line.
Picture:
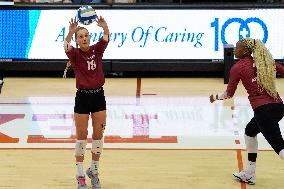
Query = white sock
x=281 y=154
x=80 y=169
x=250 y=168
x=251 y=144
x=95 y=166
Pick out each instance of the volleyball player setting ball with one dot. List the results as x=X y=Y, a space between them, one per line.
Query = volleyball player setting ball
x=86 y=61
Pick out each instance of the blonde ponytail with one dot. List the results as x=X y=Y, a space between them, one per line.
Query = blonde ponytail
x=265 y=65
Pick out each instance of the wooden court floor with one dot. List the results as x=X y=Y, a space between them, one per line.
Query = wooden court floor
x=131 y=169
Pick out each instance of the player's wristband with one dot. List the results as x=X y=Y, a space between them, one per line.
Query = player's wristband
x=105 y=37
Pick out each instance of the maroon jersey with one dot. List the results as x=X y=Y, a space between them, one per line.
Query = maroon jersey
x=88 y=65
x=245 y=70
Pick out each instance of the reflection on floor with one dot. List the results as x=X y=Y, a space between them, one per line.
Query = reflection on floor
x=149 y=122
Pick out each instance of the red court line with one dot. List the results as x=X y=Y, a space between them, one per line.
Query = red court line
x=138 y=91
x=6 y=139
x=138 y=87
x=240 y=162
x=240 y=166
x=239 y=151
x=141 y=139
x=172 y=149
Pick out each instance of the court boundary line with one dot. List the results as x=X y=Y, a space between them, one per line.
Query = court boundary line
x=129 y=149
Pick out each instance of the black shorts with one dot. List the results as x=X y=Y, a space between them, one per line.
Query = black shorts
x=266 y=120
x=89 y=101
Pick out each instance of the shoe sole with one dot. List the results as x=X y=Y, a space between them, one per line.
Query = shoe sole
x=84 y=188
x=89 y=175
x=246 y=181
x=81 y=187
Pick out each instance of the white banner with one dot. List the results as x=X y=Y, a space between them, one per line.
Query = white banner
x=164 y=34
x=6 y=2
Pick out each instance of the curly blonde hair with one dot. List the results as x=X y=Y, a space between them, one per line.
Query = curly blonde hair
x=265 y=65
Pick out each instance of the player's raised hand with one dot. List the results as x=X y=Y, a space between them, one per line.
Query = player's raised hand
x=102 y=23
x=73 y=25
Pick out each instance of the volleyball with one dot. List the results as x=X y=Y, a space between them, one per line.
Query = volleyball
x=86 y=15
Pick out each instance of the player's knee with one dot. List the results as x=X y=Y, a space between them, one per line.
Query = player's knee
x=80 y=148
x=281 y=154
x=98 y=134
x=97 y=147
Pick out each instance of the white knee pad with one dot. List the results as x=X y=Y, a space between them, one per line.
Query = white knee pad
x=80 y=148
x=281 y=154
x=251 y=144
x=97 y=146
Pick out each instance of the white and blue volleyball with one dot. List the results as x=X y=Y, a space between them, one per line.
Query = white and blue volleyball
x=86 y=15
